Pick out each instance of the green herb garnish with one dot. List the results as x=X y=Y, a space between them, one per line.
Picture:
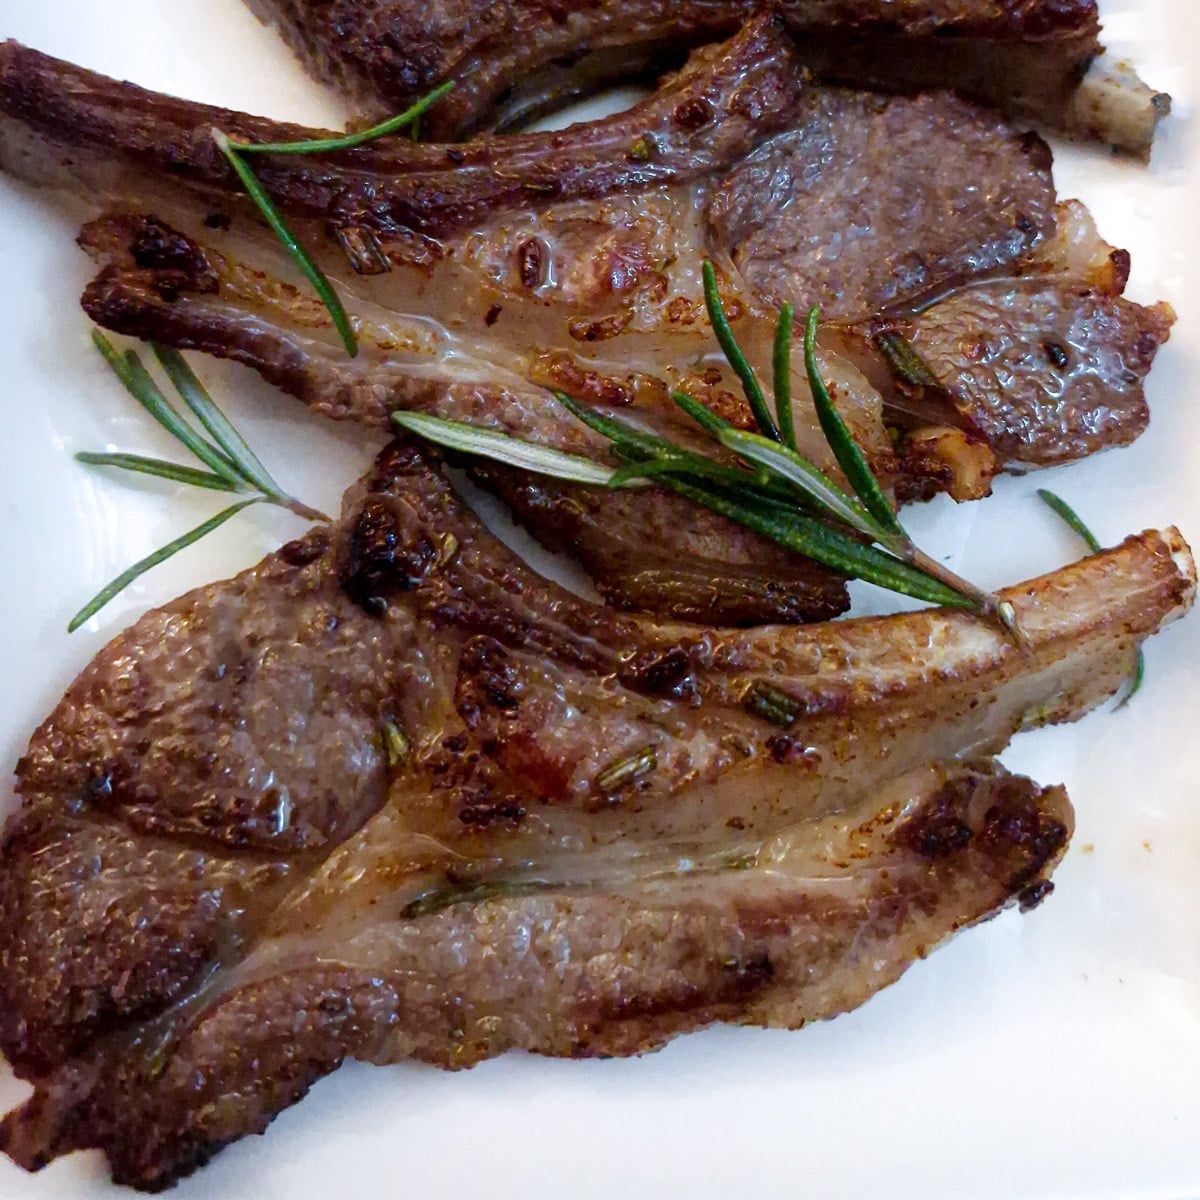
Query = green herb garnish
x=627 y=771
x=782 y=376
x=291 y=243
x=763 y=700
x=235 y=152
x=122 y=581
x=351 y=141
x=733 y=353
x=232 y=465
x=1089 y=539
x=776 y=492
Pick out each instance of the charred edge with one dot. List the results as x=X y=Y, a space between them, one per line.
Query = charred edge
x=487 y=680
x=1038 y=840
x=509 y=813
x=664 y=674
x=307 y=550
x=736 y=982
x=382 y=558
x=174 y=261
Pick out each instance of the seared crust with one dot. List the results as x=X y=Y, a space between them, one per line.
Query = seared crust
x=1043 y=368
x=567 y=972
x=651 y=551
x=717 y=108
x=1025 y=55
x=612 y=279
x=216 y=809
x=869 y=202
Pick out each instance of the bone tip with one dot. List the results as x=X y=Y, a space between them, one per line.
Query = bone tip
x=1184 y=560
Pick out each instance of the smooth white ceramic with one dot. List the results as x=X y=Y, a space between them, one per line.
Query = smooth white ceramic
x=1055 y=1055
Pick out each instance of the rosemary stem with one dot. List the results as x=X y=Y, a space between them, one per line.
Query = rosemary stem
x=295 y=506
x=984 y=601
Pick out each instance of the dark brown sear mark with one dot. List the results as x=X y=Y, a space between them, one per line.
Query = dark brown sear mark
x=384 y=556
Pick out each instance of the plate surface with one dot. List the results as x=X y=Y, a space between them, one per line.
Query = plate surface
x=1052 y=1055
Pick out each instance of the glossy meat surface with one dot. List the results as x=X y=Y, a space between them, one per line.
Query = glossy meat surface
x=868 y=202
x=1026 y=57
x=391 y=738
x=475 y=288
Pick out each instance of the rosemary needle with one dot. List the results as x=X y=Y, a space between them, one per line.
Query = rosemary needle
x=129 y=370
x=234 y=466
x=1072 y=518
x=470 y=439
x=196 y=397
x=127 y=577
x=733 y=353
x=845 y=449
x=782 y=376
x=272 y=216
x=350 y=141
x=158 y=467
x=232 y=445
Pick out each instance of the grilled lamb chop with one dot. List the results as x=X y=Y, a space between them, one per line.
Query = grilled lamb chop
x=391 y=795
x=69 y=127
x=1037 y=60
x=917 y=197
x=599 y=295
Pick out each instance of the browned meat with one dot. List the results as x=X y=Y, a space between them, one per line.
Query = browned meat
x=598 y=295
x=634 y=545
x=368 y=798
x=460 y=323
x=1025 y=56
x=652 y=551
x=126 y=142
x=868 y=202
x=458 y=974
x=604 y=288
x=1042 y=367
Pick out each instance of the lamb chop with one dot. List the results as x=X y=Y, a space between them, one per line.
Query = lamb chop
x=390 y=795
x=1037 y=60
x=489 y=272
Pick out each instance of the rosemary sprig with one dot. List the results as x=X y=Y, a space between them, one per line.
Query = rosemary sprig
x=233 y=466
x=351 y=141
x=1089 y=539
x=235 y=152
x=777 y=492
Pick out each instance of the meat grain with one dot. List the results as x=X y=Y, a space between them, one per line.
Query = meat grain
x=476 y=286
x=1036 y=60
x=358 y=801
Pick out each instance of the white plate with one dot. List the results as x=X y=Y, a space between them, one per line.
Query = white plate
x=1052 y=1055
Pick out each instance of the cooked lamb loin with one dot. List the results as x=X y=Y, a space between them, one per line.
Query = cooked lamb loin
x=599 y=295
x=391 y=795
x=1037 y=60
